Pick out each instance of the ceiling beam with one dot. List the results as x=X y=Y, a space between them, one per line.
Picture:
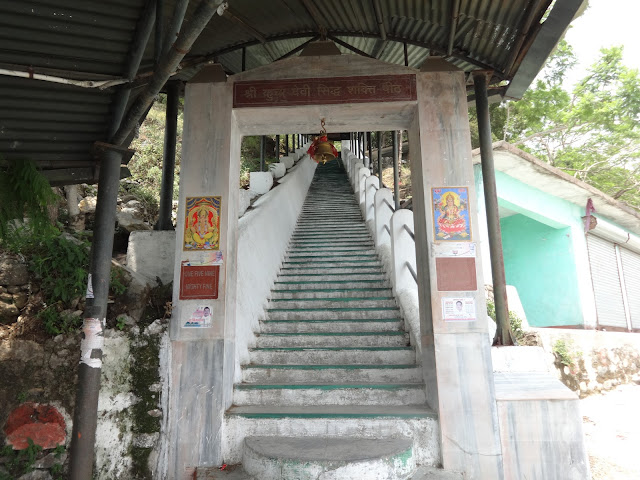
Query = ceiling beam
x=349 y=46
x=246 y=26
x=315 y=15
x=299 y=47
x=525 y=26
x=455 y=13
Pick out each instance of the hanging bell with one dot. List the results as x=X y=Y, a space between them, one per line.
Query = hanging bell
x=324 y=152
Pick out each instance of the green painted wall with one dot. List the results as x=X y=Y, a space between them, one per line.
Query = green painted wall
x=540 y=263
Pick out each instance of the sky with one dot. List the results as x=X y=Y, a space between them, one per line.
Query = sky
x=605 y=23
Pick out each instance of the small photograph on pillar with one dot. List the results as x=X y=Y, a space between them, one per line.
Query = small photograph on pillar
x=202 y=224
x=451 y=214
x=200 y=318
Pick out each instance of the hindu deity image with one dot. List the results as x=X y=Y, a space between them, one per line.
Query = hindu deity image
x=202 y=223
x=450 y=212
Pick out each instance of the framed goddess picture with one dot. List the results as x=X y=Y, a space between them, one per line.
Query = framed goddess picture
x=451 y=213
x=202 y=223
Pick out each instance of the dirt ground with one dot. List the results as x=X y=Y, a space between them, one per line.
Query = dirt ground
x=612 y=430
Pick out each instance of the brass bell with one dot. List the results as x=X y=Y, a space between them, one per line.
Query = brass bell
x=324 y=153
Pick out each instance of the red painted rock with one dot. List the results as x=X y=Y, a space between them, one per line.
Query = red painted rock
x=43 y=424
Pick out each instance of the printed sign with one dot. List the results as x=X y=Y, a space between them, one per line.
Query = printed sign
x=323 y=91
x=201 y=318
x=202 y=223
x=451 y=213
x=452 y=250
x=199 y=281
x=461 y=309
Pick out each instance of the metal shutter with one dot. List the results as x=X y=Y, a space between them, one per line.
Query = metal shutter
x=631 y=272
x=606 y=283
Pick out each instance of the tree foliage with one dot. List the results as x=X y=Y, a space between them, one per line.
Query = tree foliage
x=591 y=132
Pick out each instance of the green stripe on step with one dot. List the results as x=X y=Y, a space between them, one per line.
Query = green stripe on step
x=330 y=349
x=330 y=309
x=330 y=299
x=332 y=334
x=329 y=367
x=299 y=386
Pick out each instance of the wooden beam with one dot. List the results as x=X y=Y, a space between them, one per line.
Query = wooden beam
x=349 y=47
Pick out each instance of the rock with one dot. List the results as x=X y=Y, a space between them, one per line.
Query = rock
x=43 y=424
x=36 y=475
x=155 y=328
x=131 y=219
x=607 y=385
x=88 y=204
x=145 y=440
x=155 y=413
x=3 y=289
x=13 y=289
x=583 y=386
x=13 y=270
x=244 y=201
x=50 y=460
x=128 y=198
x=278 y=170
x=6 y=297
x=260 y=182
x=20 y=300
x=287 y=161
x=8 y=310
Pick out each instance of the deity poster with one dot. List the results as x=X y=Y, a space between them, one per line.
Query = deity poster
x=202 y=224
x=451 y=213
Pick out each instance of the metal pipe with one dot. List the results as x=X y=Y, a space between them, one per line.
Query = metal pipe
x=244 y=59
x=168 y=64
x=370 y=150
x=412 y=271
x=379 y=136
x=455 y=10
x=503 y=333
x=389 y=205
x=380 y=20
x=396 y=172
x=179 y=11
x=169 y=158
x=409 y=231
x=277 y=147
x=161 y=6
x=406 y=55
x=262 y=148
x=86 y=405
x=286 y=145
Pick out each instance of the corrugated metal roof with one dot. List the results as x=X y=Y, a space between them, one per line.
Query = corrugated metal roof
x=93 y=39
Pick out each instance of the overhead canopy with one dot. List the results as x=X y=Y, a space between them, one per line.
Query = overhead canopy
x=105 y=50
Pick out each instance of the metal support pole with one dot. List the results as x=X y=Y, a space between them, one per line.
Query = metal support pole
x=169 y=157
x=262 y=148
x=396 y=172
x=379 y=136
x=370 y=150
x=244 y=58
x=286 y=145
x=278 y=147
x=503 y=332
x=86 y=409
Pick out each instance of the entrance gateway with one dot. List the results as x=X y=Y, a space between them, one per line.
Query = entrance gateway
x=351 y=94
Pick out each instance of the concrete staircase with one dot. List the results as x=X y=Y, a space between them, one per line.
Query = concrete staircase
x=333 y=390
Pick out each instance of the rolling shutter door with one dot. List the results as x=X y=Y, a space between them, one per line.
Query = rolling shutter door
x=631 y=269
x=606 y=283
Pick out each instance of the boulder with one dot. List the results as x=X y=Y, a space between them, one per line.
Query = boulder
x=41 y=423
x=13 y=270
x=8 y=310
x=244 y=201
x=131 y=218
x=260 y=182
x=20 y=299
x=278 y=170
x=88 y=204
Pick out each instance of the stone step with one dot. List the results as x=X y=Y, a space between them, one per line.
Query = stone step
x=328 y=326
x=332 y=302
x=321 y=284
x=372 y=313
x=333 y=339
x=328 y=247
x=319 y=262
x=332 y=293
x=328 y=277
x=417 y=422
x=335 y=254
x=277 y=458
x=333 y=355
x=331 y=373
x=303 y=270
x=333 y=234
x=295 y=394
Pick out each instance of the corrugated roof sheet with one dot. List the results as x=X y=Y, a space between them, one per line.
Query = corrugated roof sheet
x=93 y=39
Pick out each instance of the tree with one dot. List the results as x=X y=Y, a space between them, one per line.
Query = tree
x=591 y=132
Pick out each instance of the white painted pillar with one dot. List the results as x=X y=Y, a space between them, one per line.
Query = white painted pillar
x=363 y=174
x=383 y=205
x=403 y=250
x=456 y=355
x=203 y=358
x=370 y=188
x=354 y=177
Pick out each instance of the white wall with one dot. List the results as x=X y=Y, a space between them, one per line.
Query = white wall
x=263 y=238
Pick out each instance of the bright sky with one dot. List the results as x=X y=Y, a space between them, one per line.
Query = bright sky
x=605 y=23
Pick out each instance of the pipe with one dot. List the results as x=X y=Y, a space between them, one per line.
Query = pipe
x=380 y=20
x=406 y=54
x=277 y=147
x=455 y=11
x=169 y=157
x=370 y=150
x=286 y=145
x=379 y=136
x=179 y=11
x=262 y=148
x=503 y=332
x=86 y=409
x=100 y=84
x=168 y=64
x=244 y=59
x=396 y=172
